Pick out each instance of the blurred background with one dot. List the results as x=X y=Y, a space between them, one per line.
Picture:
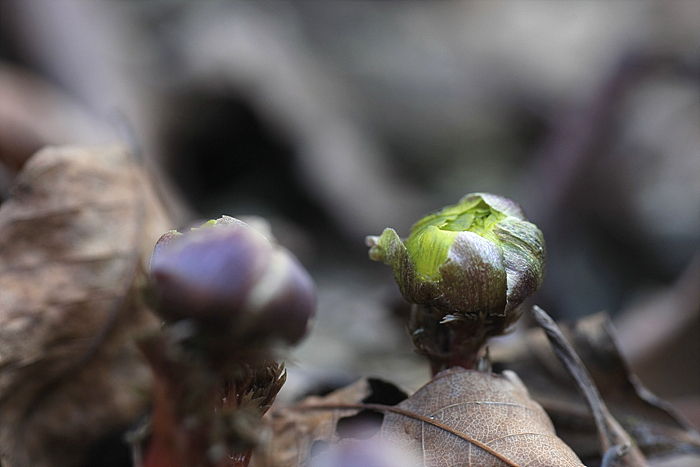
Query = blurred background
x=336 y=120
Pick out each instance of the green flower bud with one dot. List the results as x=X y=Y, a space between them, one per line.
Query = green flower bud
x=477 y=258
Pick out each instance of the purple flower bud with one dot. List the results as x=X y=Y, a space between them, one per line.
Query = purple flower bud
x=227 y=275
x=364 y=453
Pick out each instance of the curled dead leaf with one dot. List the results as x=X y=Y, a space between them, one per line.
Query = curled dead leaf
x=75 y=239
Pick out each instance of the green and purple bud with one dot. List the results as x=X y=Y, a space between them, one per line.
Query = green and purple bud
x=479 y=258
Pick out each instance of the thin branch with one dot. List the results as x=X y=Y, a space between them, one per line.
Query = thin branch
x=611 y=434
x=614 y=455
x=577 y=370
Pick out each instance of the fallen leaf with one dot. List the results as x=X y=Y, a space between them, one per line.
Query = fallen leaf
x=474 y=418
x=75 y=239
x=461 y=417
x=653 y=424
x=296 y=429
x=300 y=430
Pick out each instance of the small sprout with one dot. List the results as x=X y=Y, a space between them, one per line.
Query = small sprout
x=473 y=262
x=228 y=277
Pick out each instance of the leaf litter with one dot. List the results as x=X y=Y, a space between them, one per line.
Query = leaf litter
x=461 y=417
x=74 y=241
x=652 y=423
x=466 y=417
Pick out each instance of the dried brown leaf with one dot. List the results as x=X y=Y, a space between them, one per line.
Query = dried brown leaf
x=653 y=424
x=473 y=418
x=296 y=428
x=74 y=243
x=462 y=417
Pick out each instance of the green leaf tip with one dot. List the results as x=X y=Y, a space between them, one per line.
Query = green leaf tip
x=209 y=223
x=431 y=237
